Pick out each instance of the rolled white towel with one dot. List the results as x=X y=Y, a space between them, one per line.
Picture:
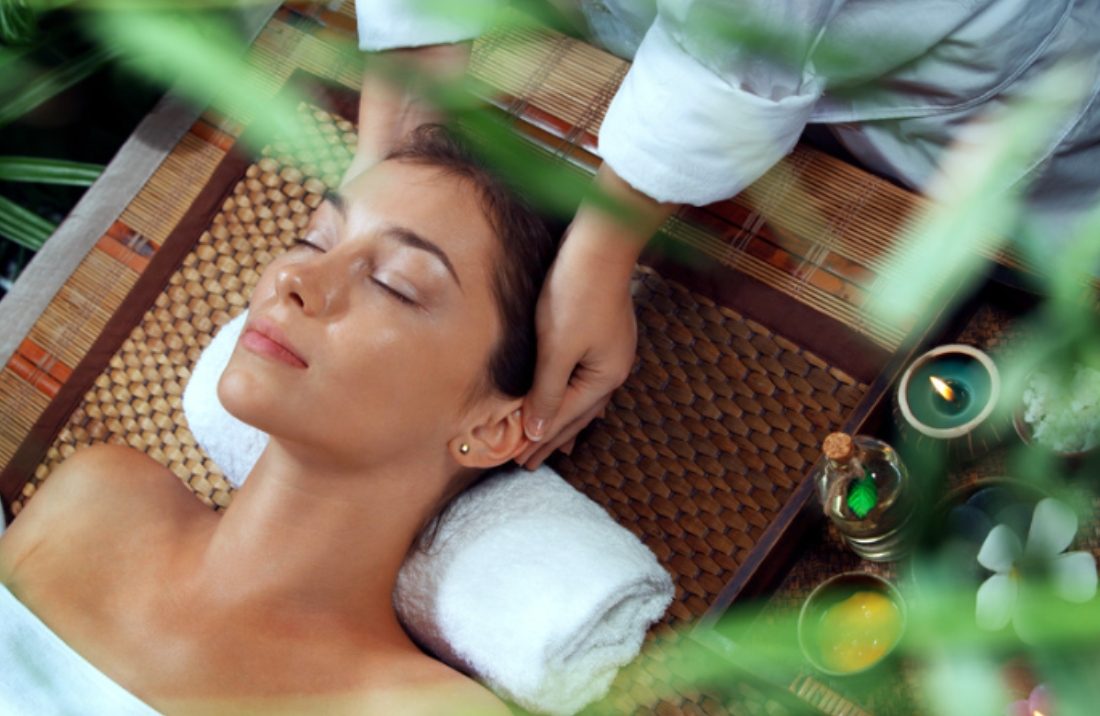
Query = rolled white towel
x=232 y=445
x=529 y=585
x=534 y=588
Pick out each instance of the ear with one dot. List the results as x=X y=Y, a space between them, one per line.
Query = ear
x=498 y=438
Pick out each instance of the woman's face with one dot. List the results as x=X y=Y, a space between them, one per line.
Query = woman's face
x=368 y=339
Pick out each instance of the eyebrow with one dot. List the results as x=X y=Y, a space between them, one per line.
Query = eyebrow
x=405 y=236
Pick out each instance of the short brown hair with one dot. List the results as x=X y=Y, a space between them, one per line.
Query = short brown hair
x=528 y=245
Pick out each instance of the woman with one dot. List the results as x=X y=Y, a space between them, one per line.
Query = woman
x=387 y=356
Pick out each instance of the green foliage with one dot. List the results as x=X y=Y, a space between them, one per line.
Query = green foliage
x=18 y=22
x=24 y=227
x=202 y=58
x=199 y=53
x=55 y=81
x=48 y=171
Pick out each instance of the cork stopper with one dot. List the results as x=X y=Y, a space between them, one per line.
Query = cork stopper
x=838 y=447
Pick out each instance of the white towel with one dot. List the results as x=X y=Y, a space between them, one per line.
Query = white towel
x=232 y=445
x=529 y=585
x=40 y=675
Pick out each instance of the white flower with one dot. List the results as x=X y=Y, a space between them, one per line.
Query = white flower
x=1072 y=575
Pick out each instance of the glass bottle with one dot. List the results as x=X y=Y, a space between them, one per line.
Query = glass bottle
x=866 y=492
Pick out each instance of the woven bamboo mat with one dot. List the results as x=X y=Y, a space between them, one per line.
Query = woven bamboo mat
x=713 y=430
x=814 y=230
x=702 y=446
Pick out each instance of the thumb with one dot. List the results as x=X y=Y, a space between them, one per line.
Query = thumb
x=542 y=403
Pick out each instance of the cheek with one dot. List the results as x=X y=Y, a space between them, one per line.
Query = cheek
x=410 y=379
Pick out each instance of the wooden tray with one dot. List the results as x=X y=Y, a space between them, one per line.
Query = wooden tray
x=757 y=329
x=810 y=550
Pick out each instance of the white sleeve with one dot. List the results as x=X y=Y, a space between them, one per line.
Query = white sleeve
x=699 y=118
x=390 y=24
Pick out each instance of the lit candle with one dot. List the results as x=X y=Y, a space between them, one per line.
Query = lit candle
x=945 y=389
x=951 y=397
x=949 y=394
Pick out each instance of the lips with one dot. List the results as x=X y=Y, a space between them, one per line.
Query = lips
x=263 y=337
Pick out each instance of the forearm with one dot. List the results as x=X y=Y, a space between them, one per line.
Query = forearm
x=613 y=224
x=396 y=96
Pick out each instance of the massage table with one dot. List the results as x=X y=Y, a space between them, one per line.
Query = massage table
x=758 y=334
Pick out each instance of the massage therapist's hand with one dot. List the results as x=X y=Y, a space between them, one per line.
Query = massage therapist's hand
x=394 y=100
x=585 y=322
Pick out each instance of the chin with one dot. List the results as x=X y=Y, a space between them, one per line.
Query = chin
x=234 y=392
x=242 y=395
x=257 y=402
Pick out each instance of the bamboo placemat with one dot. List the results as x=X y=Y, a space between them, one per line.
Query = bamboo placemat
x=813 y=229
x=33 y=399
x=713 y=430
x=705 y=442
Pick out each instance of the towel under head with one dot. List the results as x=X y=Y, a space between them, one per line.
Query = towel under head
x=532 y=587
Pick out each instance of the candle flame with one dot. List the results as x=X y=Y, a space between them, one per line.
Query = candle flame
x=945 y=390
x=1037 y=712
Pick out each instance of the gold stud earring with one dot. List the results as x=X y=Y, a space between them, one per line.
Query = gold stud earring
x=464 y=448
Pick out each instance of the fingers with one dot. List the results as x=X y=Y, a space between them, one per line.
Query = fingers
x=543 y=402
x=565 y=437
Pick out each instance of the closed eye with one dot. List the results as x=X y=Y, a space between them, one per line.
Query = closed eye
x=306 y=243
x=395 y=293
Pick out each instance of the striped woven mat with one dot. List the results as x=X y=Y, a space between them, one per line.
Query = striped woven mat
x=743 y=366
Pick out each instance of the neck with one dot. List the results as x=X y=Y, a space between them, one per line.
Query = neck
x=307 y=537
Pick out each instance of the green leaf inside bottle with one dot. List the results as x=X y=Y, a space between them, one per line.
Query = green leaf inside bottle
x=862 y=495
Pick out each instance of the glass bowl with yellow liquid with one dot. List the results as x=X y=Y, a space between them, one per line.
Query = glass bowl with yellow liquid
x=850 y=623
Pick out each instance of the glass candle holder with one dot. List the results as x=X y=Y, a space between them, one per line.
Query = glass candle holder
x=948 y=396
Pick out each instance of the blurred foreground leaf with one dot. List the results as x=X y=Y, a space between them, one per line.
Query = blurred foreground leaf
x=981 y=192
x=18 y=22
x=203 y=57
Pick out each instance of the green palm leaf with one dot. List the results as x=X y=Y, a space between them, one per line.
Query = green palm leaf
x=48 y=171
x=18 y=22
x=22 y=226
x=55 y=82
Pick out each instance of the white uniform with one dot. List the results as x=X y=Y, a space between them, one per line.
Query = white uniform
x=700 y=117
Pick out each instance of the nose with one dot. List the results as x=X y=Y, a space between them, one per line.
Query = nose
x=305 y=284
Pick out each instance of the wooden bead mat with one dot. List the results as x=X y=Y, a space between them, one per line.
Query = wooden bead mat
x=701 y=448
x=715 y=427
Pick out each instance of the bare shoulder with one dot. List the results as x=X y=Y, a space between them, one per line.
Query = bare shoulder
x=108 y=477
x=109 y=486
